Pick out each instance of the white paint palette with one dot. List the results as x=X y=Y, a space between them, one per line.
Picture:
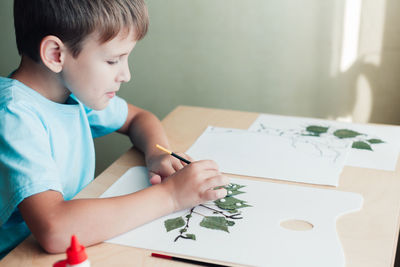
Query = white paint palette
x=257 y=239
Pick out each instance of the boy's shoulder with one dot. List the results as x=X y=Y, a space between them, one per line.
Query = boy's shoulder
x=13 y=92
x=20 y=105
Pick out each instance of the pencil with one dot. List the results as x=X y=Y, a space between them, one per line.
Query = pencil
x=197 y=262
x=172 y=154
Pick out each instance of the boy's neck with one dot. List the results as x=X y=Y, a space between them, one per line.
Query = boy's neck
x=42 y=80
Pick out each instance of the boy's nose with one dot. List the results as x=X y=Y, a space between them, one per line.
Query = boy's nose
x=125 y=74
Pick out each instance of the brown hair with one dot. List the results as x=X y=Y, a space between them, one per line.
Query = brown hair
x=73 y=20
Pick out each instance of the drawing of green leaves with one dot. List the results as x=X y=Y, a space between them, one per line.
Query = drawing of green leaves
x=375 y=141
x=361 y=145
x=215 y=222
x=233 y=189
x=366 y=144
x=233 y=186
x=346 y=133
x=316 y=130
x=231 y=203
x=230 y=223
x=226 y=209
x=174 y=223
x=190 y=236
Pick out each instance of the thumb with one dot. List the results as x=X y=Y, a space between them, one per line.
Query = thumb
x=154 y=178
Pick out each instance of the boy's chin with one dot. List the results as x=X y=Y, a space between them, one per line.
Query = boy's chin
x=97 y=106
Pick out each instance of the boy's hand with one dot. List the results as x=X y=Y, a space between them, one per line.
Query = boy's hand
x=195 y=183
x=163 y=165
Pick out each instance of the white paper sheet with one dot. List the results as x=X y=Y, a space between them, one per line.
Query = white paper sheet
x=292 y=158
x=382 y=156
x=257 y=239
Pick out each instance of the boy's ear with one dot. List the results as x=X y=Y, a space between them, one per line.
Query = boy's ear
x=52 y=53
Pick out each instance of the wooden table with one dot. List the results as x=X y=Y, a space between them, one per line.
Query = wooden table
x=369 y=237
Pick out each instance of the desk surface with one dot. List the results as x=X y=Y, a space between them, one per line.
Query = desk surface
x=368 y=237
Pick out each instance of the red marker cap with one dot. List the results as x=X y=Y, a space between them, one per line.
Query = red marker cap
x=76 y=252
x=62 y=263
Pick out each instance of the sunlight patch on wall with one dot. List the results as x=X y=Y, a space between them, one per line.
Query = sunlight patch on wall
x=351 y=33
x=372 y=31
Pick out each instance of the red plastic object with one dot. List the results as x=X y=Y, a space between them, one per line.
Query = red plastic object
x=75 y=254
x=62 y=263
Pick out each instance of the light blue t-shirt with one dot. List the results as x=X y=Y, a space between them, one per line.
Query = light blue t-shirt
x=44 y=146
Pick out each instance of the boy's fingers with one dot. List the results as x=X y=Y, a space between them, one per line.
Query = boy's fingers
x=154 y=178
x=167 y=169
x=211 y=183
x=206 y=164
x=212 y=194
x=177 y=164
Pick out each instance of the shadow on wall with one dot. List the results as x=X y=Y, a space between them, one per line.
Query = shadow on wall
x=369 y=90
x=385 y=80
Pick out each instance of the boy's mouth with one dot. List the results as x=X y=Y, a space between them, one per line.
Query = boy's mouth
x=110 y=94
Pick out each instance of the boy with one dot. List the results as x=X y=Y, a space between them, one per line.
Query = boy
x=74 y=56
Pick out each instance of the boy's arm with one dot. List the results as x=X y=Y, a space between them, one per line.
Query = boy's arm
x=145 y=131
x=53 y=220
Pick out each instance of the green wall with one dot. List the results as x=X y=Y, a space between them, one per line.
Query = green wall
x=9 y=58
x=272 y=56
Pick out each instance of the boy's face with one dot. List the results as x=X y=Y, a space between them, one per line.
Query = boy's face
x=98 y=71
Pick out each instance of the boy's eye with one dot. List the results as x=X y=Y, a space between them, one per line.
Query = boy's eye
x=112 y=62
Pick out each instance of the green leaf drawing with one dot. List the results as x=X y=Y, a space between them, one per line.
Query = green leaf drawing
x=233 y=186
x=190 y=236
x=231 y=203
x=345 y=133
x=375 y=141
x=225 y=214
x=361 y=145
x=174 y=223
x=232 y=211
x=233 y=189
x=316 y=130
x=215 y=222
x=230 y=223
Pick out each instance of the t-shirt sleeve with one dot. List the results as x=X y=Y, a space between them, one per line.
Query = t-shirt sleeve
x=108 y=120
x=26 y=163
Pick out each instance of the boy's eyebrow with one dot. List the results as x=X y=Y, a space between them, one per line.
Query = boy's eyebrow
x=119 y=55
